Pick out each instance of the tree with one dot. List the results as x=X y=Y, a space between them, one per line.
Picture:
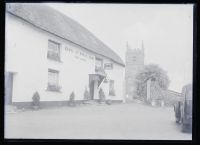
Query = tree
x=150 y=72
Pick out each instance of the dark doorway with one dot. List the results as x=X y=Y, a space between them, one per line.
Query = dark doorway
x=8 y=87
x=92 y=90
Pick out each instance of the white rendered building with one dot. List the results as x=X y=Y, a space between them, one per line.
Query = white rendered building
x=48 y=52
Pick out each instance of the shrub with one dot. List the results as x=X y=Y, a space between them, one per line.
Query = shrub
x=86 y=95
x=112 y=93
x=72 y=99
x=36 y=100
x=108 y=102
x=101 y=95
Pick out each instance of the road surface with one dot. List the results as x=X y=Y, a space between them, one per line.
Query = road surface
x=117 y=121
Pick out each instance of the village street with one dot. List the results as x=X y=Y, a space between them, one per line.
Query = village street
x=117 y=121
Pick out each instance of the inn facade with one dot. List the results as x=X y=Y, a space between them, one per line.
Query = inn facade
x=48 y=52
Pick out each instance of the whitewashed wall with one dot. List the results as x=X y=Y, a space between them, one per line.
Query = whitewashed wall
x=26 y=54
x=116 y=74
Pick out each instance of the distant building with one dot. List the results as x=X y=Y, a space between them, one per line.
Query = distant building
x=134 y=63
x=48 y=52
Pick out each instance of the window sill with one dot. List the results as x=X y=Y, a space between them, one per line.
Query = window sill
x=56 y=91
x=55 y=60
x=112 y=94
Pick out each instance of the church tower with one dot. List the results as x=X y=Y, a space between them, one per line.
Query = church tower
x=134 y=63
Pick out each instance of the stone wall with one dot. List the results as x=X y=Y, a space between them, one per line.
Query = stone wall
x=171 y=97
x=158 y=94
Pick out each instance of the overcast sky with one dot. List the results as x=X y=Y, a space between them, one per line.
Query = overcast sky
x=166 y=30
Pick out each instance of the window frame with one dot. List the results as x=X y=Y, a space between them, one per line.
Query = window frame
x=54 y=86
x=106 y=66
x=96 y=67
x=134 y=58
x=51 y=54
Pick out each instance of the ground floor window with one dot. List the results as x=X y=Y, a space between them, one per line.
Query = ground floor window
x=53 y=80
x=111 y=88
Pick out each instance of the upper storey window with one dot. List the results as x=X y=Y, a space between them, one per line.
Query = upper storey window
x=53 y=50
x=98 y=64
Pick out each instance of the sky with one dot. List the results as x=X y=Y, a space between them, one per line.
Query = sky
x=165 y=29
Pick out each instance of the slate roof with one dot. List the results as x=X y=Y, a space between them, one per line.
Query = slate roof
x=49 y=19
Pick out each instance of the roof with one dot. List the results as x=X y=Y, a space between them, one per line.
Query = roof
x=49 y=19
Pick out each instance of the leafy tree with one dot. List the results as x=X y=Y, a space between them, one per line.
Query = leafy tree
x=154 y=73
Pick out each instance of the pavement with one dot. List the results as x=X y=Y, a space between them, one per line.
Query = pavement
x=117 y=121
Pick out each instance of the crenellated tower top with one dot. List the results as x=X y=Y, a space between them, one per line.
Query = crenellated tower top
x=135 y=54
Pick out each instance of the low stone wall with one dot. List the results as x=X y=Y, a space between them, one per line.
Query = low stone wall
x=49 y=104
x=171 y=97
x=158 y=95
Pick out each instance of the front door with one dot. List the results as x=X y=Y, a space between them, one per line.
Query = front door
x=92 y=90
x=93 y=83
x=8 y=87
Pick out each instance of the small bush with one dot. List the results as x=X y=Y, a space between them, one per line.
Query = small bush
x=112 y=93
x=36 y=100
x=86 y=95
x=72 y=99
x=108 y=102
x=101 y=95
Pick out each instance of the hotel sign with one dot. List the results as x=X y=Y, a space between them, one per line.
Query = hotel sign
x=108 y=66
x=78 y=54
